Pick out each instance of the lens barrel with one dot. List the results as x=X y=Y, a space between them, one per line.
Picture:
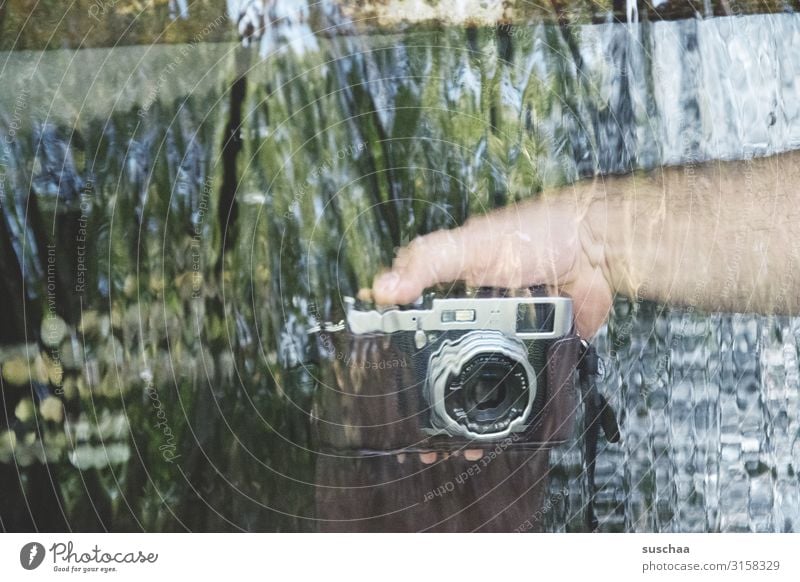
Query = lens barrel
x=490 y=392
x=481 y=386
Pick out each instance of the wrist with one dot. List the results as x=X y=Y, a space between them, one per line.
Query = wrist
x=607 y=228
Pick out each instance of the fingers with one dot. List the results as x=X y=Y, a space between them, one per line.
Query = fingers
x=592 y=301
x=520 y=246
x=513 y=248
x=475 y=255
x=430 y=259
x=429 y=458
x=473 y=454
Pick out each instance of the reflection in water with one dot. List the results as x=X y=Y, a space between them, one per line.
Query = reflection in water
x=173 y=242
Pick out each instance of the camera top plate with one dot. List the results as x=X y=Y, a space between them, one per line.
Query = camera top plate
x=503 y=314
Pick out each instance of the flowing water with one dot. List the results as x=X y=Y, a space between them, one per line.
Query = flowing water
x=175 y=217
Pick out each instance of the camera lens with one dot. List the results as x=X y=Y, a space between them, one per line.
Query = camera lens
x=481 y=386
x=490 y=392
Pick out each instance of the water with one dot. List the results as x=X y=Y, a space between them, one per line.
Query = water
x=196 y=226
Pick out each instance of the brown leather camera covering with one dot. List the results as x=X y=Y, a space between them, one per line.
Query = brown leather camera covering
x=556 y=422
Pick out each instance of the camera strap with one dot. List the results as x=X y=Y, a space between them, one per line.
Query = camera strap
x=598 y=414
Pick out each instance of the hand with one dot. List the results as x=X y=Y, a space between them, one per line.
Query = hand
x=549 y=241
x=470 y=455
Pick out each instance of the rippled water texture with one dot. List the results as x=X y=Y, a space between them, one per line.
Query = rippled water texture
x=175 y=217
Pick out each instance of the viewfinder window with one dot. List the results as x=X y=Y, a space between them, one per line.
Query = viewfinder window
x=535 y=317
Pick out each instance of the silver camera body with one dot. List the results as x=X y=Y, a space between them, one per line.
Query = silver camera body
x=482 y=369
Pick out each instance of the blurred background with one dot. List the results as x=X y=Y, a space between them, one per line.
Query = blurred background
x=186 y=185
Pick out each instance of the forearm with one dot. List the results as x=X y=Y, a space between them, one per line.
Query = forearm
x=721 y=236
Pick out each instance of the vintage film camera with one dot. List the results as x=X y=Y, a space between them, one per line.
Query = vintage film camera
x=451 y=373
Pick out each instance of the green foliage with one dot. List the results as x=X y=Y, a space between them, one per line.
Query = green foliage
x=52 y=24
